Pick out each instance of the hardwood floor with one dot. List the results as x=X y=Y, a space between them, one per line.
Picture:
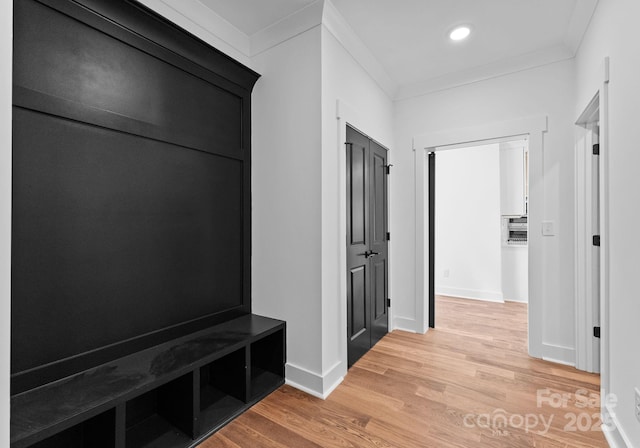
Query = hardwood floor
x=468 y=383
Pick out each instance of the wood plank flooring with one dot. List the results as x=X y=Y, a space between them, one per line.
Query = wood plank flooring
x=468 y=383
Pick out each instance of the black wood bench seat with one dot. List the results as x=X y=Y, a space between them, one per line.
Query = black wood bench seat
x=214 y=374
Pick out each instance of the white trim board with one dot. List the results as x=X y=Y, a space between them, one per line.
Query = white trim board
x=214 y=29
x=605 y=365
x=534 y=127
x=586 y=256
x=337 y=25
x=404 y=324
x=206 y=24
x=596 y=110
x=315 y=384
x=582 y=13
x=470 y=294
x=516 y=300
x=559 y=354
x=323 y=12
x=497 y=69
x=297 y=23
x=616 y=437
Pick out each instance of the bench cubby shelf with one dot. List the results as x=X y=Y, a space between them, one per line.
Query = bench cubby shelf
x=173 y=395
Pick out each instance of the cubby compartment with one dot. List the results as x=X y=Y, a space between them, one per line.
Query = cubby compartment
x=162 y=417
x=267 y=364
x=207 y=379
x=97 y=432
x=223 y=389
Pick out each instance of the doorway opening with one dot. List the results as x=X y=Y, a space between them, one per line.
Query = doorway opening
x=533 y=128
x=478 y=203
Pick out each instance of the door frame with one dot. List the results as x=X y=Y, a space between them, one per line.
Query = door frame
x=533 y=127
x=598 y=110
x=347 y=115
x=431 y=266
x=587 y=346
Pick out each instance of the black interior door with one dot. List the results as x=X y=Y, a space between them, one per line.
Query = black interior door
x=378 y=259
x=367 y=246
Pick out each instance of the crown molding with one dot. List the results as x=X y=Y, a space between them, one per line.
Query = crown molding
x=500 y=68
x=338 y=26
x=323 y=12
x=580 y=19
x=297 y=23
x=205 y=24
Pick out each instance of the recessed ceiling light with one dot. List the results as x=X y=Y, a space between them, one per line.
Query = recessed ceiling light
x=460 y=33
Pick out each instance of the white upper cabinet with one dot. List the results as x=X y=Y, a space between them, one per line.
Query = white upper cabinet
x=513 y=178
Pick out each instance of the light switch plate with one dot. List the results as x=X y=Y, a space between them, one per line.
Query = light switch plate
x=548 y=228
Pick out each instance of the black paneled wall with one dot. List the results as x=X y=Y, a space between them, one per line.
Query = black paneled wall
x=131 y=185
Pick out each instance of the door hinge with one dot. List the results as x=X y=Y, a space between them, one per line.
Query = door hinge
x=388 y=168
x=388 y=236
x=596 y=240
x=388 y=303
x=596 y=332
x=596 y=149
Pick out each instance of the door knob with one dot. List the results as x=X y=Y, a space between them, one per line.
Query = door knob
x=369 y=253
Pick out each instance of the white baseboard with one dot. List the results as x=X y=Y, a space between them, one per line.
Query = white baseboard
x=516 y=300
x=616 y=438
x=319 y=386
x=473 y=294
x=404 y=324
x=559 y=354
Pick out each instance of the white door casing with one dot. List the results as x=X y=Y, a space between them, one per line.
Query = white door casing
x=534 y=128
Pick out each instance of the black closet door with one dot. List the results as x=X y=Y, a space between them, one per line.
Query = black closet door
x=379 y=258
x=358 y=236
x=367 y=252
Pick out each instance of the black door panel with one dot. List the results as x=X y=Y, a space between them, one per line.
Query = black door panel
x=367 y=252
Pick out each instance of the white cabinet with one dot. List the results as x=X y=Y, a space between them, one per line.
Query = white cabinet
x=513 y=189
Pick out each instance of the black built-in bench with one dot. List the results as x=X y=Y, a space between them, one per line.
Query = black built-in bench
x=172 y=395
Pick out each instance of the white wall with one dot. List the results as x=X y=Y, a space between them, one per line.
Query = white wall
x=612 y=33
x=286 y=184
x=468 y=229
x=299 y=190
x=546 y=90
x=366 y=106
x=6 y=44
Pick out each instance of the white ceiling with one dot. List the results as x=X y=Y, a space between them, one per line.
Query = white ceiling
x=251 y=16
x=409 y=38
